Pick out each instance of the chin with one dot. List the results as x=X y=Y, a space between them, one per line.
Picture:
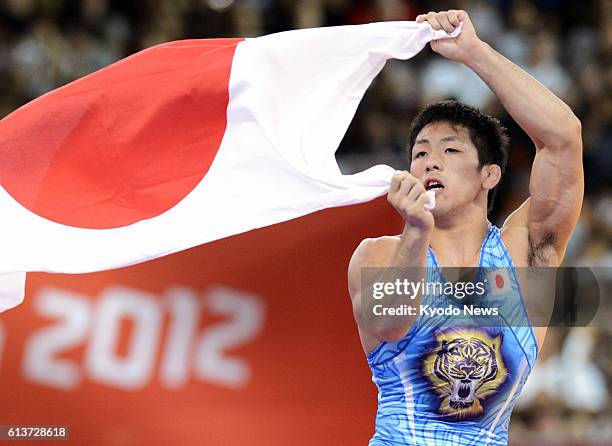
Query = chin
x=442 y=210
x=438 y=212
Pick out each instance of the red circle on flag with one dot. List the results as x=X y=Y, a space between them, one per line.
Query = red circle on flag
x=499 y=281
x=124 y=144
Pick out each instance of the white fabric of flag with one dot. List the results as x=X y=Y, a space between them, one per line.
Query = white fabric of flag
x=291 y=97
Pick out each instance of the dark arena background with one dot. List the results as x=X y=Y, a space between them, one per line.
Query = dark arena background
x=250 y=340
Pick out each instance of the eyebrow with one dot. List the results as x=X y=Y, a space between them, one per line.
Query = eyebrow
x=445 y=139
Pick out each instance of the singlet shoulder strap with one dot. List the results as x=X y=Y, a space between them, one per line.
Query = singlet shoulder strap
x=494 y=253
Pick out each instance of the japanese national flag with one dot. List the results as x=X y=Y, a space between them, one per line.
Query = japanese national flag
x=188 y=142
x=499 y=281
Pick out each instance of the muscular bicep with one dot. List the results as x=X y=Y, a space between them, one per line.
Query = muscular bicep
x=362 y=257
x=354 y=272
x=556 y=188
x=370 y=253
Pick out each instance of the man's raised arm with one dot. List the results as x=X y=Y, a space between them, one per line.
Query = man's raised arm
x=556 y=185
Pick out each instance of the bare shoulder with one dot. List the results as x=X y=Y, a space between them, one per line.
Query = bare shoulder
x=515 y=234
x=516 y=238
x=375 y=251
x=371 y=252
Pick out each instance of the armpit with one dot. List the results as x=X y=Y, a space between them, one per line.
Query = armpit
x=541 y=251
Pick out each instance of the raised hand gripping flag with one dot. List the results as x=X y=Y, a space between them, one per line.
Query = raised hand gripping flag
x=187 y=142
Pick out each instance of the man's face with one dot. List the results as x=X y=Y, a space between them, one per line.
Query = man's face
x=444 y=159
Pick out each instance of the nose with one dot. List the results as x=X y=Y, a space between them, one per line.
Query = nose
x=433 y=163
x=468 y=366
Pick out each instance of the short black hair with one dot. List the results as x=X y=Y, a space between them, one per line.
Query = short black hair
x=486 y=132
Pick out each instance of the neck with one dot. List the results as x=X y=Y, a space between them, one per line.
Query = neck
x=457 y=241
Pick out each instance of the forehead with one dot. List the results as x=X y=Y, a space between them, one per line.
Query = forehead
x=436 y=131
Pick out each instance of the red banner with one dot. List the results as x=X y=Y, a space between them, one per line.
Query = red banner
x=245 y=341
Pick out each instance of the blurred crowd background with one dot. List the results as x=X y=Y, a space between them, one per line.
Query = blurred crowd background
x=565 y=44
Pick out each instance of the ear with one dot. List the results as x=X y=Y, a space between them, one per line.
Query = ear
x=491 y=174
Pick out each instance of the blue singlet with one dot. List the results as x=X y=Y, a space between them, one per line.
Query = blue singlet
x=456 y=383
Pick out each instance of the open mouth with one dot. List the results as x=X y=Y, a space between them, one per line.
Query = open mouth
x=463 y=390
x=434 y=184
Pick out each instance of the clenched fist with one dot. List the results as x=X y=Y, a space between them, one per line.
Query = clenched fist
x=461 y=48
x=408 y=196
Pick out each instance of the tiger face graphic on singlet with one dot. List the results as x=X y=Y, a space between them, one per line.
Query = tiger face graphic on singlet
x=464 y=368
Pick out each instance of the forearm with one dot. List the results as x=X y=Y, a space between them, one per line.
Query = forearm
x=547 y=120
x=411 y=252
